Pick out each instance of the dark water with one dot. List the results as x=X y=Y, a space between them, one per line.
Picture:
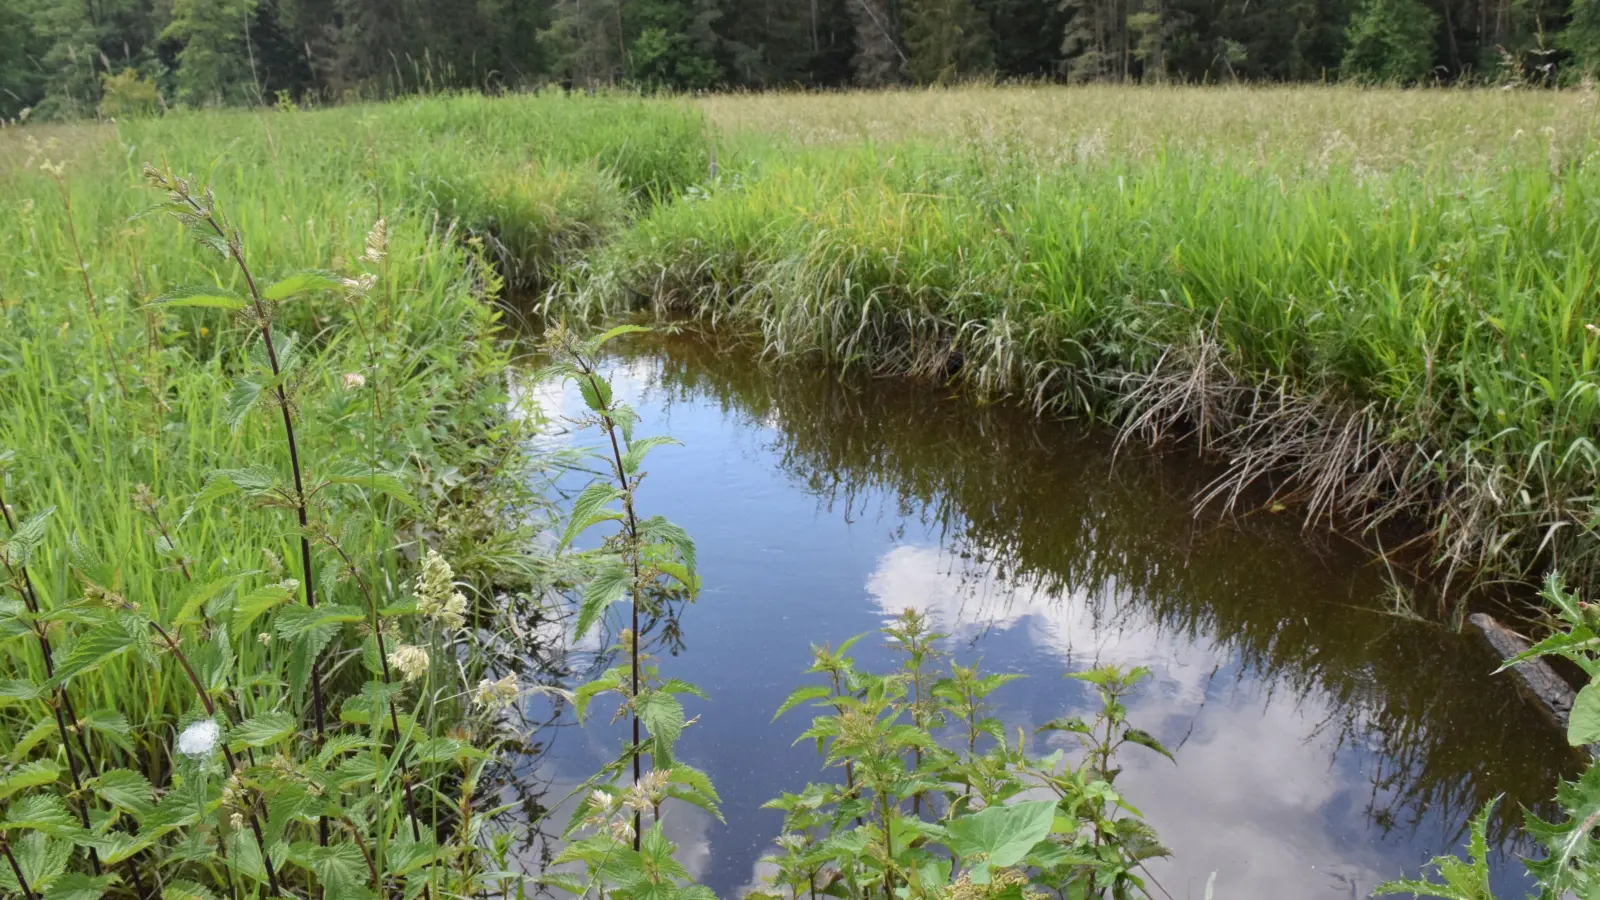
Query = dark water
x=1322 y=744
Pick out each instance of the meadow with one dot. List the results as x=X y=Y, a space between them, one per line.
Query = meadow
x=1378 y=304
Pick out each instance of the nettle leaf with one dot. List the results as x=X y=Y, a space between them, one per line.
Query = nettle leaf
x=241 y=400
x=694 y=786
x=33 y=737
x=261 y=730
x=186 y=890
x=376 y=481
x=207 y=296
x=42 y=859
x=605 y=588
x=339 y=867
x=19 y=548
x=610 y=680
x=663 y=715
x=634 y=458
x=303 y=282
x=1146 y=739
x=196 y=596
x=1583 y=726
x=590 y=509
x=39 y=812
x=93 y=649
x=126 y=790
x=213 y=660
x=1004 y=833
x=660 y=530
x=116 y=846
x=801 y=695
x=299 y=621
x=596 y=392
x=257 y=602
x=80 y=886
x=110 y=724
x=438 y=750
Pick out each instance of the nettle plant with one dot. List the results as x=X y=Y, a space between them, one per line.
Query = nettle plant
x=325 y=746
x=613 y=849
x=938 y=801
x=1570 y=866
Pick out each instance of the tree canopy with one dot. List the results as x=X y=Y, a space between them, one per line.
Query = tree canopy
x=61 y=58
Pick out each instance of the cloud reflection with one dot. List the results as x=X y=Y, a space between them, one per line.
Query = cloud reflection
x=1258 y=795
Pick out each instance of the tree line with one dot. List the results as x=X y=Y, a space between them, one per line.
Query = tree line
x=73 y=58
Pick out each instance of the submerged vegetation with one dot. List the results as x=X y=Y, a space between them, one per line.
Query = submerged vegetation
x=251 y=561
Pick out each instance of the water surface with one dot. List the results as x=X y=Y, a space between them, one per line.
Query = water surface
x=1322 y=743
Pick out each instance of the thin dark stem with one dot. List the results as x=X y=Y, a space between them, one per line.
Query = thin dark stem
x=233 y=762
x=307 y=570
x=633 y=560
x=17 y=870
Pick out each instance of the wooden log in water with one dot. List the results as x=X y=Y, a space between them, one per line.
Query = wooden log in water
x=1535 y=677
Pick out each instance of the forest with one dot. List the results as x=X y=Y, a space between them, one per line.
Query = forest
x=120 y=58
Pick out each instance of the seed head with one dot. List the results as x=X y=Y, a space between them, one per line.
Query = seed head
x=377 y=243
x=495 y=695
x=410 y=660
x=437 y=597
x=622 y=831
x=354 y=381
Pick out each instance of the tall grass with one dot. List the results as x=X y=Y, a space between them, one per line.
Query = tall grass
x=1412 y=342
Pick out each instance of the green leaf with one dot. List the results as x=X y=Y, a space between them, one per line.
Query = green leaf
x=1583 y=727
x=257 y=602
x=604 y=589
x=1145 y=739
x=79 y=886
x=303 y=282
x=376 y=481
x=195 y=596
x=212 y=297
x=31 y=738
x=241 y=400
x=39 y=772
x=126 y=790
x=261 y=730
x=617 y=332
x=186 y=890
x=19 y=548
x=589 y=509
x=801 y=695
x=634 y=458
x=42 y=859
x=663 y=715
x=1004 y=833
x=596 y=392
x=39 y=812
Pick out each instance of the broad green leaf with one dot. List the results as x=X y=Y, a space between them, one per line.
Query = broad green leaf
x=241 y=400
x=1145 y=739
x=1004 y=834
x=801 y=695
x=186 y=890
x=41 y=858
x=33 y=774
x=605 y=588
x=18 y=549
x=33 y=737
x=663 y=715
x=1583 y=726
x=260 y=730
x=80 y=886
x=211 y=296
x=377 y=481
x=634 y=458
x=596 y=392
x=303 y=282
x=589 y=509
x=126 y=789
x=258 y=601
x=39 y=812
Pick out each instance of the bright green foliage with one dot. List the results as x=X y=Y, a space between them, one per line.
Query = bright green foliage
x=1390 y=41
x=916 y=818
x=947 y=40
x=1581 y=37
x=214 y=66
x=128 y=95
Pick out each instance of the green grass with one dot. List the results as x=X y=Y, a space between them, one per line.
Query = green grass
x=1407 y=341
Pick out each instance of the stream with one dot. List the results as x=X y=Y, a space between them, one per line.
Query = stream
x=1324 y=740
